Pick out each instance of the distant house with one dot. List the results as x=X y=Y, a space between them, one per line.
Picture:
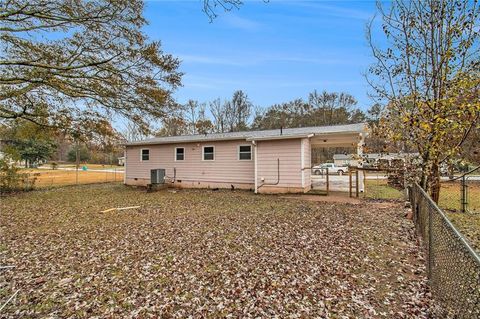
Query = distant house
x=345 y=159
x=270 y=161
x=386 y=159
x=121 y=161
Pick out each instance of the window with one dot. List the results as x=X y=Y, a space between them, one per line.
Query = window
x=179 y=153
x=145 y=155
x=208 y=153
x=245 y=152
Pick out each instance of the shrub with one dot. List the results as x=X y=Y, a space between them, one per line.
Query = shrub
x=12 y=180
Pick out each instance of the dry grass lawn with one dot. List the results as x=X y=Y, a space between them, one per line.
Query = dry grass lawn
x=468 y=223
x=52 y=178
x=450 y=195
x=206 y=254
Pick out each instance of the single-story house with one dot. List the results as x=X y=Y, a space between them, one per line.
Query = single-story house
x=386 y=159
x=345 y=159
x=269 y=161
x=121 y=161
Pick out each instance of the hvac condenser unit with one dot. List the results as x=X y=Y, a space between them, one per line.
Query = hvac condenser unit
x=157 y=176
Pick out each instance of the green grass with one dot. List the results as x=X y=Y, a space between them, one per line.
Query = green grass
x=467 y=223
x=378 y=189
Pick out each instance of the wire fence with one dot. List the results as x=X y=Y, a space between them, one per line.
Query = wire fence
x=41 y=178
x=453 y=267
x=462 y=193
x=358 y=182
x=378 y=186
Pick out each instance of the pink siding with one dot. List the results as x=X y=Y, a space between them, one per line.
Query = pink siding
x=226 y=169
x=289 y=153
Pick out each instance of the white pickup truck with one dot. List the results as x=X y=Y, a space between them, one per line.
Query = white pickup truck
x=332 y=169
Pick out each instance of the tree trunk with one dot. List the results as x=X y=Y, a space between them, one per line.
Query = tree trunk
x=434 y=183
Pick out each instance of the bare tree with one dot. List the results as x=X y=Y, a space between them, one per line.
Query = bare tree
x=239 y=111
x=132 y=132
x=218 y=111
x=210 y=7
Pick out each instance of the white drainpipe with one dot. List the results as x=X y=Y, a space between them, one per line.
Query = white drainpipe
x=254 y=143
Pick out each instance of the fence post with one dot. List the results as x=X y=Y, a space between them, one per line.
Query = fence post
x=356 y=183
x=350 y=182
x=463 y=187
x=328 y=181
x=364 y=182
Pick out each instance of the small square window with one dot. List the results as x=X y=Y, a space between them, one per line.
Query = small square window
x=245 y=152
x=208 y=153
x=145 y=155
x=179 y=154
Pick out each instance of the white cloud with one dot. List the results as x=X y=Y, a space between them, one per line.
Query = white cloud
x=336 y=11
x=241 y=23
x=256 y=59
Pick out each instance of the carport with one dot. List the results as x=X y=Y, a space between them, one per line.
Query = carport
x=352 y=139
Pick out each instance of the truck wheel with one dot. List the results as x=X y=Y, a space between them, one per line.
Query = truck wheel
x=340 y=173
x=317 y=172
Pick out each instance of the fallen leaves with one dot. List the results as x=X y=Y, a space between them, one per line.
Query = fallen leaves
x=206 y=254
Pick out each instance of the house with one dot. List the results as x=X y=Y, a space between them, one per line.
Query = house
x=386 y=159
x=269 y=161
x=121 y=161
x=345 y=160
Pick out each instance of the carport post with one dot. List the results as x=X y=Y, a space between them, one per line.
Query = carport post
x=360 y=144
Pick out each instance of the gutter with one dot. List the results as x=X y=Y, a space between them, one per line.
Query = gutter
x=141 y=143
x=278 y=137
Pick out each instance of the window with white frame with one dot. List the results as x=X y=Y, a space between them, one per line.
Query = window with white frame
x=145 y=154
x=208 y=153
x=179 y=153
x=245 y=152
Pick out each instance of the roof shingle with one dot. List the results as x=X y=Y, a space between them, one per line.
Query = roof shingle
x=252 y=135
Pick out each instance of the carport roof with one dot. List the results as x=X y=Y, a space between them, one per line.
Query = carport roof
x=258 y=135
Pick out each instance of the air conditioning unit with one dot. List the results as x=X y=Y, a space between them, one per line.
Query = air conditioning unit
x=157 y=176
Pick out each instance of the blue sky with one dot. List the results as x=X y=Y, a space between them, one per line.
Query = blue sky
x=275 y=51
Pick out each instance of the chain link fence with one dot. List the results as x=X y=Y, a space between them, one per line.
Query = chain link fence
x=462 y=193
x=453 y=266
x=377 y=185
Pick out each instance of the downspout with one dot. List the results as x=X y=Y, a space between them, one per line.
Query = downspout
x=174 y=178
x=254 y=143
x=302 y=162
x=125 y=166
x=278 y=177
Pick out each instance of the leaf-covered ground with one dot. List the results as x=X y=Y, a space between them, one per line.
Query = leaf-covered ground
x=208 y=254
